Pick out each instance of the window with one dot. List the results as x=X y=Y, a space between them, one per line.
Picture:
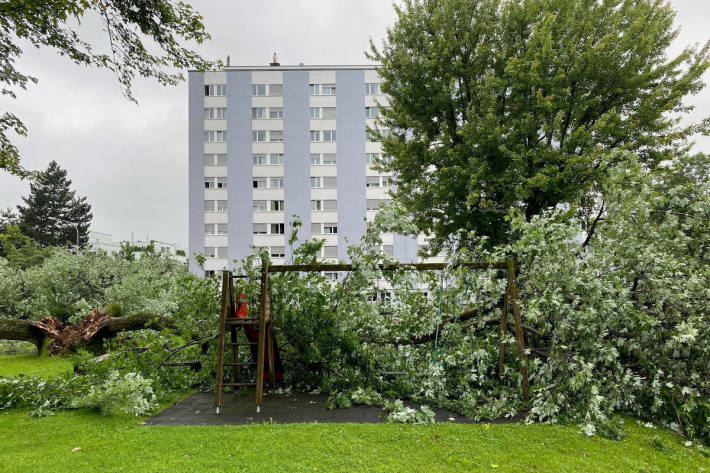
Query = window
x=209 y=183
x=278 y=252
x=276 y=89
x=315 y=182
x=325 y=113
x=259 y=229
x=316 y=205
x=209 y=160
x=216 y=90
x=258 y=135
x=215 y=113
x=372 y=158
x=330 y=251
x=258 y=113
x=213 y=136
x=258 y=159
x=276 y=182
x=209 y=206
x=209 y=229
x=277 y=205
x=315 y=159
x=221 y=182
x=330 y=276
x=221 y=252
x=372 y=88
x=330 y=205
x=210 y=252
x=277 y=229
x=315 y=135
x=372 y=204
x=329 y=159
x=221 y=206
x=330 y=228
x=258 y=89
x=328 y=135
x=276 y=158
x=386 y=159
x=329 y=113
x=221 y=229
x=372 y=181
x=316 y=229
x=321 y=89
x=209 y=273
x=276 y=135
x=259 y=183
x=370 y=112
x=387 y=181
x=221 y=159
x=259 y=206
x=330 y=182
x=276 y=112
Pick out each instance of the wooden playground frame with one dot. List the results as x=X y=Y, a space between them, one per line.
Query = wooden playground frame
x=266 y=317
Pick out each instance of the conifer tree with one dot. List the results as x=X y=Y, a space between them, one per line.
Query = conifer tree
x=52 y=213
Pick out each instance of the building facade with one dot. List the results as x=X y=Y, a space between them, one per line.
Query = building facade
x=105 y=242
x=267 y=143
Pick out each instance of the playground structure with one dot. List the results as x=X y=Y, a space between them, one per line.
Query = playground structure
x=267 y=360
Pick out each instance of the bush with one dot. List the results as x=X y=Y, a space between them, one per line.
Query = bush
x=128 y=394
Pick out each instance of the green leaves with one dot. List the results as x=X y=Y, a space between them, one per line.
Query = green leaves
x=128 y=24
x=512 y=104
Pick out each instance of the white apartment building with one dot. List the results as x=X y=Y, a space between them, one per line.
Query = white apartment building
x=270 y=142
x=105 y=242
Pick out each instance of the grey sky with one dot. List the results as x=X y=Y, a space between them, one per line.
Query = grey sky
x=131 y=160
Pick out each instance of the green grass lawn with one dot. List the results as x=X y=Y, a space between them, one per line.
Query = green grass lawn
x=33 y=365
x=111 y=444
x=121 y=444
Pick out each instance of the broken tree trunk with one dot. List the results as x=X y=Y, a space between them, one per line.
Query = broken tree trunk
x=93 y=328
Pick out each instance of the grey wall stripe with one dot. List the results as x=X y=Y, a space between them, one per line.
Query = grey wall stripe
x=297 y=161
x=405 y=248
x=239 y=166
x=350 y=123
x=195 y=168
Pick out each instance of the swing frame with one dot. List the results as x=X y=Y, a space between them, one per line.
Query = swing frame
x=266 y=318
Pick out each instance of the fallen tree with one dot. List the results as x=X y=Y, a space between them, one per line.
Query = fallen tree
x=92 y=329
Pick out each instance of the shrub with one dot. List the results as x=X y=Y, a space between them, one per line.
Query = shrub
x=128 y=394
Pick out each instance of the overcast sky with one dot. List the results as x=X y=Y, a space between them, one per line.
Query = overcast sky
x=130 y=161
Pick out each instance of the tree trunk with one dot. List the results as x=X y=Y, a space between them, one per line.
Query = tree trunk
x=25 y=330
x=93 y=328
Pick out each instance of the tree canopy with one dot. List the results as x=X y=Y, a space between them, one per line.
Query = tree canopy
x=52 y=214
x=500 y=104
x=143 y=38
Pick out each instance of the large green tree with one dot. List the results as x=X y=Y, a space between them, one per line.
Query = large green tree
x=500 y=104
x=52 y=214
x=143 y=37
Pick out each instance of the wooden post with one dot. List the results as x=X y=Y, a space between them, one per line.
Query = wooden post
x=270 y=333
x=513 y=284
x=263 y=312
x=503 y=332
x=233 y=334
x=226 y=279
